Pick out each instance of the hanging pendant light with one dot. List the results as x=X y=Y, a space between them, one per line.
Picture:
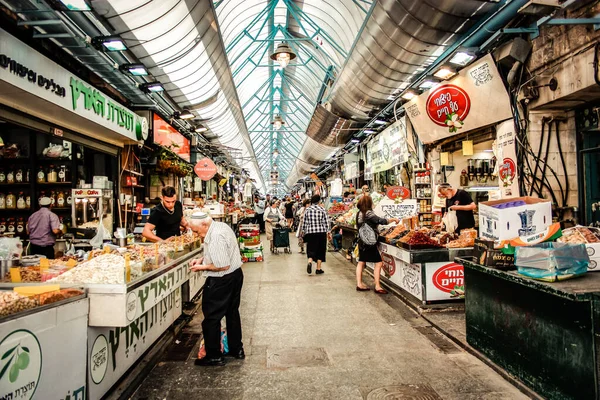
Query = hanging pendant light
x=278 y=122
x=275 y=153
x=283 y=55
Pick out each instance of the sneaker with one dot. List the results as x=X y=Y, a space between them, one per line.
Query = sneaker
x=309 y=268
x=319 y=271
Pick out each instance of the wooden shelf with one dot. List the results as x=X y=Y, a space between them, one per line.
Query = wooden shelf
x=60 y=208
x=18 y=159
x=54 y=183
x=423 y=198
x=133 y=186
x=133 y=172
x=16 y=209
x=15 y=184
x=57 y=160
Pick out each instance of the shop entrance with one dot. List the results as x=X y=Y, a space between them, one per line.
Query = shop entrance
x=591 y=177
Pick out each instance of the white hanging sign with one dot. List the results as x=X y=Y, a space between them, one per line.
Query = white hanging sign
x=391 y=209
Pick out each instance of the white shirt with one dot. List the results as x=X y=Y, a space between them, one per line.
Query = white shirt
x=221 y=249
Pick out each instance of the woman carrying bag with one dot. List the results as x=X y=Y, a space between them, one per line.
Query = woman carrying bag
x=272 y=216
x=369 y=252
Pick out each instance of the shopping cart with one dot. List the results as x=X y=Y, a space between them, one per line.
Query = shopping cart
x=281 y=238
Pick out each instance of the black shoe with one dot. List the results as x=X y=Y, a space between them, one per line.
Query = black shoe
x=210 y=362
x=319 y=271
x=240 y=355
x=309 y=268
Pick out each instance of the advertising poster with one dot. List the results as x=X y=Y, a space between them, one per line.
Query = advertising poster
x=445 y=281
x=43 y=354
x=392 y=209
x=474 y=99
x=403 y=274
x=168 y=137
x=389 y=148
x=506 y=154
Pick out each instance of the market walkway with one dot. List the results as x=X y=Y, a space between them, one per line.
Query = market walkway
x=316 y=337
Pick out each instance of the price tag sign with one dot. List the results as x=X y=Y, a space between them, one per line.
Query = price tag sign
x=391 y=209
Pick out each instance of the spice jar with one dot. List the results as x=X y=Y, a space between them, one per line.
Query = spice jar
x=28 y=201
x=2 y=177
x=52 y=174
x=21 y=205
x=69 y=199
x=52 y=198
x=10 y=226
x=10 y=176
x=19 y=176
x=11 y=201
x=41 y=175
x=2 y=201
x=27 y=176
x=2 y=225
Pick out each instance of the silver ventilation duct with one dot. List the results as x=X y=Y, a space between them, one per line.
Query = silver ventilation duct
x=399 y=40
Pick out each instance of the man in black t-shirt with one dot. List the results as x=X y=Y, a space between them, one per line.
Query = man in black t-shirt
x=166 y=218
x=461 y=202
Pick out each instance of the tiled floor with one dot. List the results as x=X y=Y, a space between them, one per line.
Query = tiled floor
x=316 y=337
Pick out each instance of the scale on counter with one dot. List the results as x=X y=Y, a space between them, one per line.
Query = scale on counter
x=145 y=213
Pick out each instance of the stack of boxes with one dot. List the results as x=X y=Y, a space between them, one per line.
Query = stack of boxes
x=250 y=245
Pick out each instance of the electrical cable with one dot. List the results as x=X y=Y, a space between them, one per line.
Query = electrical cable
x=539 y=153
x=562 y=159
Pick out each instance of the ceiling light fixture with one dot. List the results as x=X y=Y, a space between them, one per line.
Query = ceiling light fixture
x=445 y=72
x=152 y=87
x=380 y=122
x=134 y=69
x=109 y=43
x=275 y=153
x=409 y=94
x=369 y=131
x=283 y=55
x=185 y=114
x=200 y=129
x=278 y=122
x=354 y=140
x=428 y=83
x=76 y=5
x=462 y=58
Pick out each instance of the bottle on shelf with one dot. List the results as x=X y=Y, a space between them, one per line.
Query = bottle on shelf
x=27 y=175
x=52 y=174
x=2 y=201
x=62 y=174
x=2 y=176
x=69 y=198
x=60 y=199
x=2 y=225
x=10 y=226
x=52 y=198
x=20 y=226
x=28 y=201
x=19 y=175
x=41 y=175
x=11 y=201
x=10 y=175
x=21 y=204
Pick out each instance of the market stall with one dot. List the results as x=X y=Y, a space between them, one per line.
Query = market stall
x=42 y=342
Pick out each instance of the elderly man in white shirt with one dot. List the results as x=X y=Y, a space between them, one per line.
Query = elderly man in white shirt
x=222 y=265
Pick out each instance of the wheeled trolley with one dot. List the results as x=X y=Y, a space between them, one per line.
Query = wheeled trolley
x=281 y=238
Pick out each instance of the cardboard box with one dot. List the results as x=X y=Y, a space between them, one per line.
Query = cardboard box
x=99 y=182
x=508 y=223
x=489 y=256
x=593 y=250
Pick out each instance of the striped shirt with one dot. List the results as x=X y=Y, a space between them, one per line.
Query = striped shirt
x=316 y=220
x=221 y=249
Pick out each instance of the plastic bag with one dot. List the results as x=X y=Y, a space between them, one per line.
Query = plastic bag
x=10 y=248
x=224 y=345
x=552 y=261
x=97 y=240
x=450 y=221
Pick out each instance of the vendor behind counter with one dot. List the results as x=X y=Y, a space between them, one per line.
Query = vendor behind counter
x=166 y=217
x=460 y=201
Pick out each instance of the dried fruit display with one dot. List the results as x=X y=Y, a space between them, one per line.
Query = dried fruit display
x=419 y=239
x=11 y=302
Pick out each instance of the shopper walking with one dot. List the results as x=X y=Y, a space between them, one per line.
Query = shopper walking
x=259 y=210
x=272 y=216
x=368 y=253
x=221 y=294
x=289 y=211
x=43 y=226
x=315 y=227
x=299 y=232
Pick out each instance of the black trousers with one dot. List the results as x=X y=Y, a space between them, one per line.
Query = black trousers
x=47 y=251
x=221 y=298
x=260 y=220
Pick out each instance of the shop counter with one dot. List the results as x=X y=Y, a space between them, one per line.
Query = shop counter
x=44 y=351
x=430 y=276
x=120 y=305
x=545 y=334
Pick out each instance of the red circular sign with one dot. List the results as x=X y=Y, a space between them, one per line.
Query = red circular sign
x=398 y=191
x=448 y=103
x=448 y=277
x=507 y=170
x=205 y=169
x=389 y=265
